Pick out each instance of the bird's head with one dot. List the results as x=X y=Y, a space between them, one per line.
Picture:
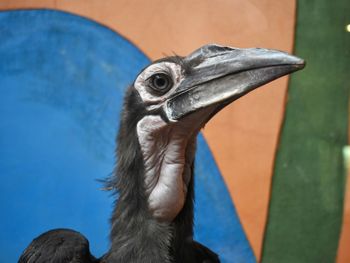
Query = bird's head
x=178 y=95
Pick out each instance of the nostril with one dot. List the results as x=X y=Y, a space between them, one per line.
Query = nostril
x=217 y=48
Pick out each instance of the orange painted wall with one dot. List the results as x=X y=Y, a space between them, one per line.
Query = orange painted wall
x=344 y=245
x=243 y=137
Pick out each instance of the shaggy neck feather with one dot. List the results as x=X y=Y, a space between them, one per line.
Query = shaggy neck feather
x=137 y=235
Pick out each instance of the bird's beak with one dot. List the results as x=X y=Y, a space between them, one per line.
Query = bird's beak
x=219 y=75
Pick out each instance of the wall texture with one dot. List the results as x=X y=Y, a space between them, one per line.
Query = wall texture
x=244 y=136
x=306 y=207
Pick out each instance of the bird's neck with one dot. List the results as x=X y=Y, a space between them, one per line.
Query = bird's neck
x=150 y=226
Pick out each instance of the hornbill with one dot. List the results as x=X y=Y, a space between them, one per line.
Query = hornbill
x=164 y=109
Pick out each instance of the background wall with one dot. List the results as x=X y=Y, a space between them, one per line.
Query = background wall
x=306 y=207
x=244 y=136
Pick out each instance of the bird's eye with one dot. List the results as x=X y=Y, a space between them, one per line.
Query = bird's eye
x=161 y=82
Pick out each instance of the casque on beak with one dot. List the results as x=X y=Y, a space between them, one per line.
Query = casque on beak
x=219 y=75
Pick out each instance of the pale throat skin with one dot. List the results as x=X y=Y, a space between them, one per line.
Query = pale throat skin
x=168 y=148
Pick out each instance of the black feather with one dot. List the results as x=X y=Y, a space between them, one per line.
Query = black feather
x=136 y=236
x=58 y=246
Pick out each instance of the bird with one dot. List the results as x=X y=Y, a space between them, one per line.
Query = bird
x=163 y=111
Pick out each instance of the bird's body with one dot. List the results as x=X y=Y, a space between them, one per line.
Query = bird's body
x=169 y=102
x=59 y=245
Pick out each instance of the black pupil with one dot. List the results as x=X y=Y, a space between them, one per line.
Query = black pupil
x=160 y=82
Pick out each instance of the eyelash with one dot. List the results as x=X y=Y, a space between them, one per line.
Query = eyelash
x=148 y=79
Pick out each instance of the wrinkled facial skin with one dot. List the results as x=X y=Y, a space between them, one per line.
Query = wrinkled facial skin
x=151 y=98
x=168 y=148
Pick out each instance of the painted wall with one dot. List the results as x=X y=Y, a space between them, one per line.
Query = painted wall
x=244 y=136
x=62 y=80
x=307 y=199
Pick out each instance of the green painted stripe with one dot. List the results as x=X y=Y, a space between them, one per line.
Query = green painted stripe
x=308 y=185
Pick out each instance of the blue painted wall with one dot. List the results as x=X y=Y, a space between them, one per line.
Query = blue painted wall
x=62 y=79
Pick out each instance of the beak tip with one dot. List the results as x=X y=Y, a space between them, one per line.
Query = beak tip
x=300 y=64
x=296 y=62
